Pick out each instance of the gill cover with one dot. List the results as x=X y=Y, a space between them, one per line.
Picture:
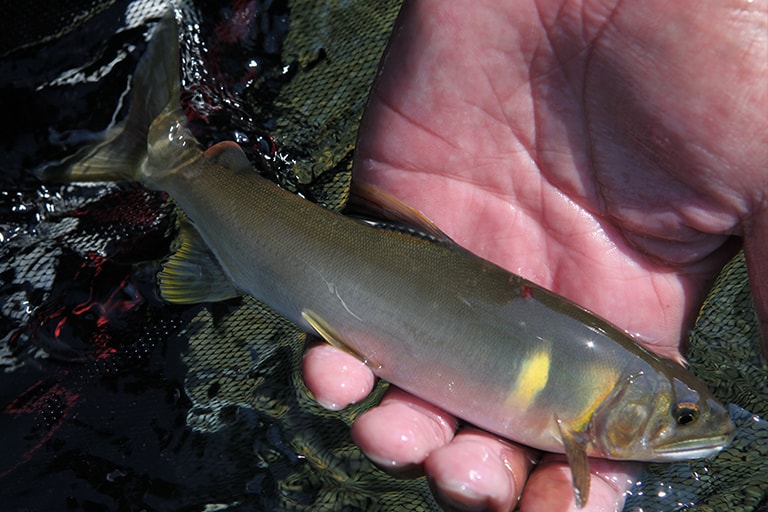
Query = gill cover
x=622 y=419
x=660 y=416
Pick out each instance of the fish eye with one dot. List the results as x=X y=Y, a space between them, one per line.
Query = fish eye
x=686 y=412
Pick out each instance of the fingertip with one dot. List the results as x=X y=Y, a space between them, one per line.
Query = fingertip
x=335 y=378
x=402 y=431
x=478 y=471
x=550 y=486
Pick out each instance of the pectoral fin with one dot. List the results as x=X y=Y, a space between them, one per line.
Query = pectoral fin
x=193 y=274
x=575 y=444
x=333 y=337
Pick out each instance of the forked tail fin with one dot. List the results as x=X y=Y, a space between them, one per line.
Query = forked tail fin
x=122 y=153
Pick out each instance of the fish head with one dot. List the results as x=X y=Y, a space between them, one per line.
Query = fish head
x=661 y=414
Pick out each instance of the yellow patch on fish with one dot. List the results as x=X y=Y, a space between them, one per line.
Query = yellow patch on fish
x=533 y=377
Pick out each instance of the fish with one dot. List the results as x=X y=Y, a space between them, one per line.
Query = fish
x=423 y=313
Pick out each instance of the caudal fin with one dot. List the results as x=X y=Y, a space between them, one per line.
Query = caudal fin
x=123 y=151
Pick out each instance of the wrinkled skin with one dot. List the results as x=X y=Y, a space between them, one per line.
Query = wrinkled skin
x=616 y=153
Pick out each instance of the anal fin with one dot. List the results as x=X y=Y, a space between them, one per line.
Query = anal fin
x=333 y=337
x=193 y=274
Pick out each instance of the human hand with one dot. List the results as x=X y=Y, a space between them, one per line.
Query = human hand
x=608 y=151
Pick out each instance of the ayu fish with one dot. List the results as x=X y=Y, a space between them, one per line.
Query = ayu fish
x=426 y=315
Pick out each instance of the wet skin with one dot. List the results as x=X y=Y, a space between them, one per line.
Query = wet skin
x=616 y=153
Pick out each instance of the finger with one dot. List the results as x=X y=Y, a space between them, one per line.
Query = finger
x=479 y=471
x=550 y=487
x=402 y=431
x=336 y=378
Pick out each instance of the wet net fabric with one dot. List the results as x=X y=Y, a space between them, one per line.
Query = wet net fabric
x=112 y=399
x=724 y=351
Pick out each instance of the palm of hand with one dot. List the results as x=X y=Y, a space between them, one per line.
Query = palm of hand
x=572 y=148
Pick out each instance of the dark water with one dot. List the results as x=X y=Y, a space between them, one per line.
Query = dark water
x=93 y=406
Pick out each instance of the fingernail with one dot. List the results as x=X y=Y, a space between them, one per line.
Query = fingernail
x=331 y=406
x=458 y=497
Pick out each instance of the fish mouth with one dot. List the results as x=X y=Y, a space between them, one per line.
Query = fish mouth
x=692 y=449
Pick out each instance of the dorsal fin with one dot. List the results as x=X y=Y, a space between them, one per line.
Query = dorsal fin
x=229 y=154
x=374 y=204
